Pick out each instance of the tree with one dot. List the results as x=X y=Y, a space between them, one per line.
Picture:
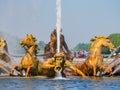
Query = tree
x=115 y=39
x=41 y=45
x=82 y=46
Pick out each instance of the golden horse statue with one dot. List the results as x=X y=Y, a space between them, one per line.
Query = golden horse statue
x=51 y=47
x=95 y=58
x=4 y=51
x=29 y=61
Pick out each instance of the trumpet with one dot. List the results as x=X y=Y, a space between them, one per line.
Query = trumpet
x=58 y=68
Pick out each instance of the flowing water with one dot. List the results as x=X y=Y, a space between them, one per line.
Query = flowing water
x=7 y=67
x=116 y=69
x=58 y=23
x=58 y=75
x=113 y=52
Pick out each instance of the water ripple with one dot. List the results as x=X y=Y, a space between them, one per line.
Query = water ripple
x=104 y=83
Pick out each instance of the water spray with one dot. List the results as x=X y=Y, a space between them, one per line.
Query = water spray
x=58 y=23
x=113 y=52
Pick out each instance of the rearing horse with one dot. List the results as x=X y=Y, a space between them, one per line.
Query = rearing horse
x=29 y=62
x=95 y=58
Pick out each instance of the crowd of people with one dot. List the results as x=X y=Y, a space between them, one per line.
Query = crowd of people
x=81 y=54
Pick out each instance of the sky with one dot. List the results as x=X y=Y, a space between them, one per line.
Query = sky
x=81 y=19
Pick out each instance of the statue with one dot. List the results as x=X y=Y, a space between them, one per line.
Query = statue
x=4 y=51
x=59 y=63
x=29 y=61
x=94 y=61
x=32 y=66
x=51 y=47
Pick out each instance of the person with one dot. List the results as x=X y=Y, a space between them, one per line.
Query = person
x=75 y=54
x=86 y=53
x=59 y=60
x=80 y=54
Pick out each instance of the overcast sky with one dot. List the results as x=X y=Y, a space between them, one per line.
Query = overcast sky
x=81 y=19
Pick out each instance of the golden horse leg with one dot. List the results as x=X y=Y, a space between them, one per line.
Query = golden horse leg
x=94 y=70
x=28 y=70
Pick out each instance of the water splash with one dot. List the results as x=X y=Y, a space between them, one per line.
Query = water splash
x=116 y=69
x=117 y=61
x=4 y=69
x=112 y=53
x=113 y=63
x=8 y=55
x=58 y=75
x=7 y=67
x=58 y=23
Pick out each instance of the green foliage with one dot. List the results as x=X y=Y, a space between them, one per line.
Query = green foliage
x=82 y=46
x=115 y=39
x=41 y=44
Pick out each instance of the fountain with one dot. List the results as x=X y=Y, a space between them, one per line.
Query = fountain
x=58 y=23
x=57 y=41
x=58 y=73
x=5 y=58
x=8 y=68
x=58 y=83
x=58 y=27
x=33 y=66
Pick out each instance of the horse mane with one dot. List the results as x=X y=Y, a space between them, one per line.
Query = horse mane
x=98 y=37
x=28 y=41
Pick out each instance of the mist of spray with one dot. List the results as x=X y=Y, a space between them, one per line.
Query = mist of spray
x=58 y=23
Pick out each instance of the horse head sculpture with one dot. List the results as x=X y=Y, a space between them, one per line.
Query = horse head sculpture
x=101 y=41
x=28 y=41
x=94 y=61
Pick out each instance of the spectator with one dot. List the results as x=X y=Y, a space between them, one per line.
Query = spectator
x=75 y=54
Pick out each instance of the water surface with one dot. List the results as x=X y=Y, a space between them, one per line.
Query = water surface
x=76 y=83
